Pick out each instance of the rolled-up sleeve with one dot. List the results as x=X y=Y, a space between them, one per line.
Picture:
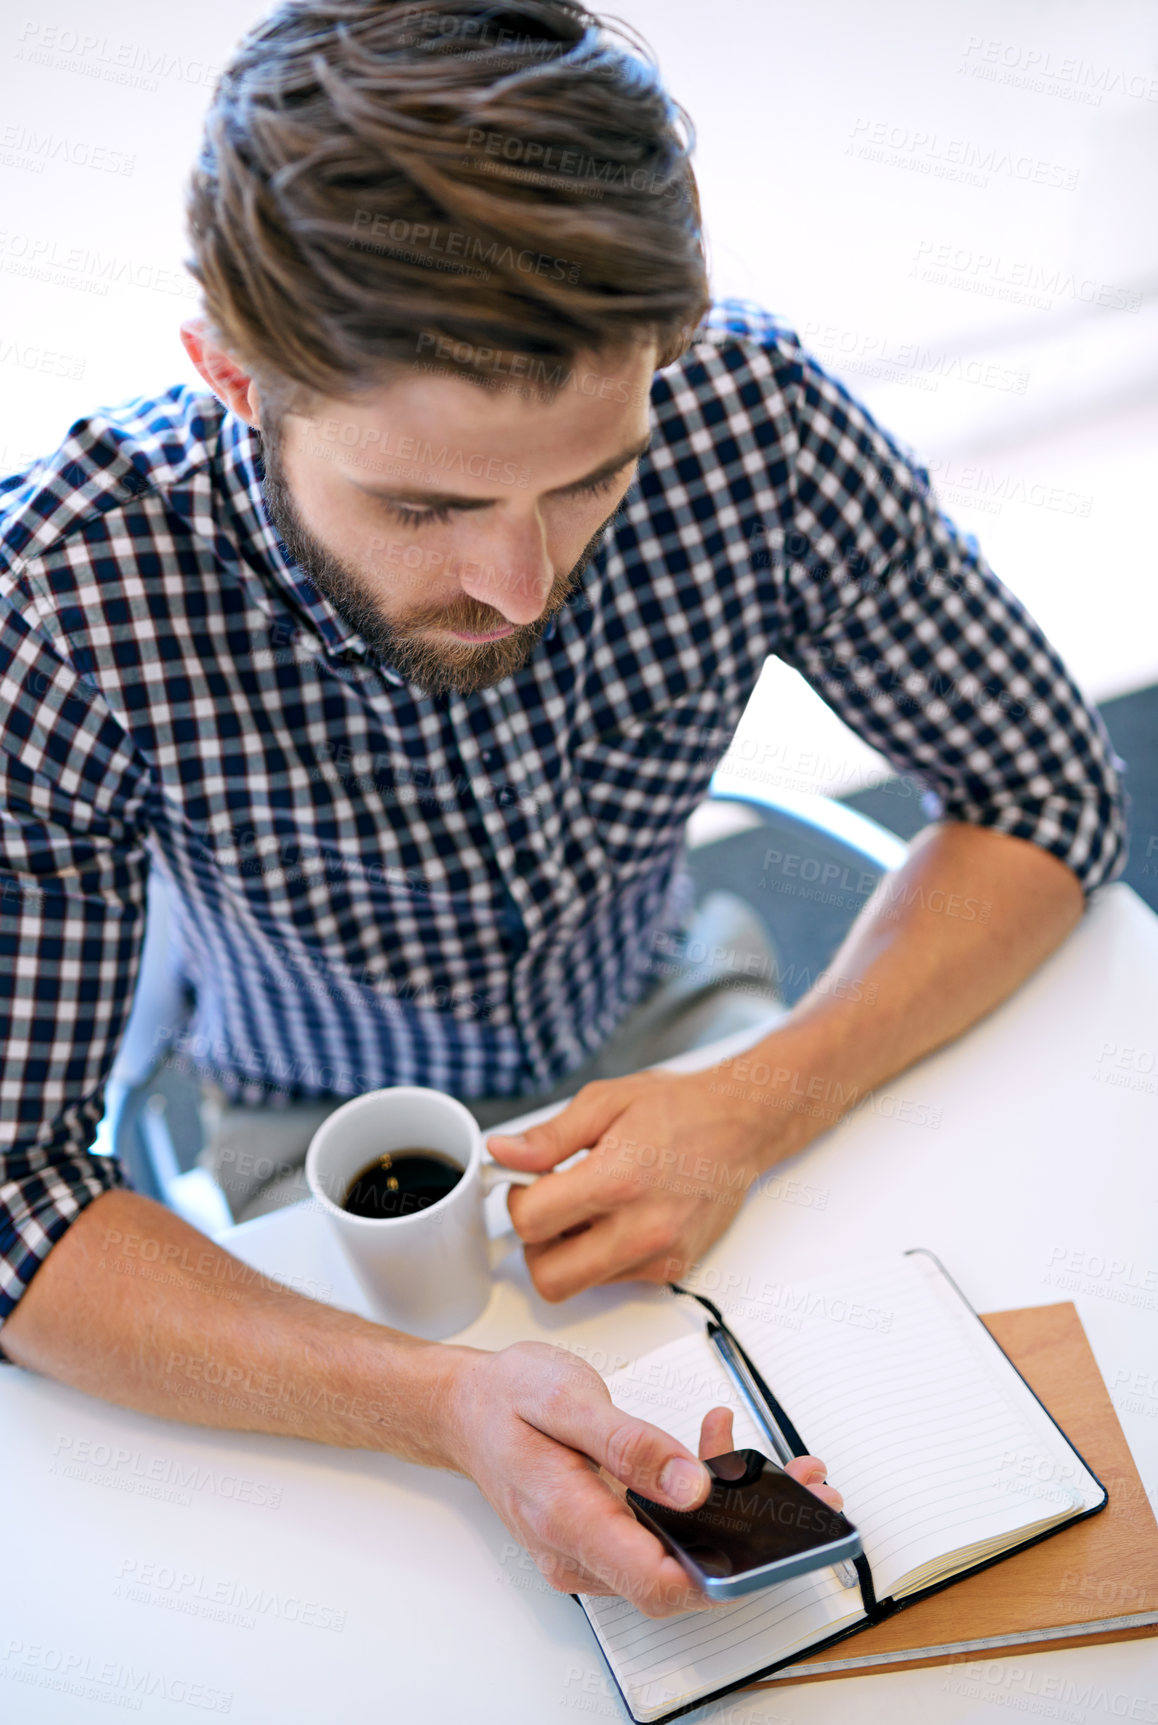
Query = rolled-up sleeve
x=72 y=901
x=895 y=618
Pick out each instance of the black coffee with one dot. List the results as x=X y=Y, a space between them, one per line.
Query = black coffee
x=401 y=1182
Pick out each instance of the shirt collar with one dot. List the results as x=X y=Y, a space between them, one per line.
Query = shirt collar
x=242 y=474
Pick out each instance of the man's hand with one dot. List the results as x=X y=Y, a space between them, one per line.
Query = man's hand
x=942 y=941
x=537 y=1431
x=670 y=1162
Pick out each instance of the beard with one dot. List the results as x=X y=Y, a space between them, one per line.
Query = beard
x=436 y=668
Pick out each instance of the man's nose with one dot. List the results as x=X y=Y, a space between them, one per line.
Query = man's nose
x=511 y=572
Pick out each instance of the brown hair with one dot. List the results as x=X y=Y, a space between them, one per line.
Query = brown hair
x=381 y=181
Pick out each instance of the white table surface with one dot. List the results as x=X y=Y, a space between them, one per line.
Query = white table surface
x=299 y=1585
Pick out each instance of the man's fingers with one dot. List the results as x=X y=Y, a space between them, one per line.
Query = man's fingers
x=637 y=1568
x=633 y=1451
x=551 y=1208
x=808 y=1469
x=670 y=1265
x=576 y=1127
x=647 y=1460
x=811 y=1471
x=599 y=1533
x=615 y=1248
x=716 y=1433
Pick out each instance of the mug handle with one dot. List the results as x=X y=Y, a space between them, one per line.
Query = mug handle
x=493 y=1174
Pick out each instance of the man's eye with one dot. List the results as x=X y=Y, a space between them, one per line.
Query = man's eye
x=412 y=517
x=417 y=517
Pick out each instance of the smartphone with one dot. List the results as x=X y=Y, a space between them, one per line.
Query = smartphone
x=756 y=1527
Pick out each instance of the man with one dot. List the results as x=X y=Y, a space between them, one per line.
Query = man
x=486 y=501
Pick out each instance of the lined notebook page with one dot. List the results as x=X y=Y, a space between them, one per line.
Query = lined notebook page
x=925 y=1428
x=662 y=1661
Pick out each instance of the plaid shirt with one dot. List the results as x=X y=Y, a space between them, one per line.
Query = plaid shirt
x=374 y=887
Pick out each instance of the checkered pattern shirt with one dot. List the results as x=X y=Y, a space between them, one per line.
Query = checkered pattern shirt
x=372 y=886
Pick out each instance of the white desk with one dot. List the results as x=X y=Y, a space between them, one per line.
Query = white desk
x=419 y=1610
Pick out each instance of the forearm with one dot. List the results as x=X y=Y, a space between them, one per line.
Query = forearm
x=942 y=942
x=136 y=1307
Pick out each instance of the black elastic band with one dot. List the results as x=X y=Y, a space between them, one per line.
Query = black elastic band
x=868 y=1593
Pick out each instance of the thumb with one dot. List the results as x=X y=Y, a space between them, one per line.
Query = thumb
x=633 y=1451
x=579 y=1126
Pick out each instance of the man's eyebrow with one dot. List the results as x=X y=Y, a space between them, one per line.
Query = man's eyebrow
x=605 y=470
x=458 y=501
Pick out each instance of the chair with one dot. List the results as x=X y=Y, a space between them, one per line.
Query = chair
x=806 y=864
x=152 y=1120
x=739 y=841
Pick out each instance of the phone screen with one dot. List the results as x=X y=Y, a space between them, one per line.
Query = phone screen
x=755 y=1514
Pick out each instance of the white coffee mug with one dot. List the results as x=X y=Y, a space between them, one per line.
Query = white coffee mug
x=428 y=1272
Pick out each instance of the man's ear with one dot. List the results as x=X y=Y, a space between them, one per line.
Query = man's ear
x=228 y=381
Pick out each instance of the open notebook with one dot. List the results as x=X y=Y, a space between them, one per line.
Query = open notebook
x=946 y=1459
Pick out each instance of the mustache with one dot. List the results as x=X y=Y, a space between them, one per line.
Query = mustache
x=469 y=615
x=472 y=617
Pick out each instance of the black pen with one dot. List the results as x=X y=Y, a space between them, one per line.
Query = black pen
x=750 y=1391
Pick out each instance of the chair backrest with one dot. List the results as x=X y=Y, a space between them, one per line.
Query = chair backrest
x=823 y=814
x=157 y=1001
x=152 y=1118
x=807 y=869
